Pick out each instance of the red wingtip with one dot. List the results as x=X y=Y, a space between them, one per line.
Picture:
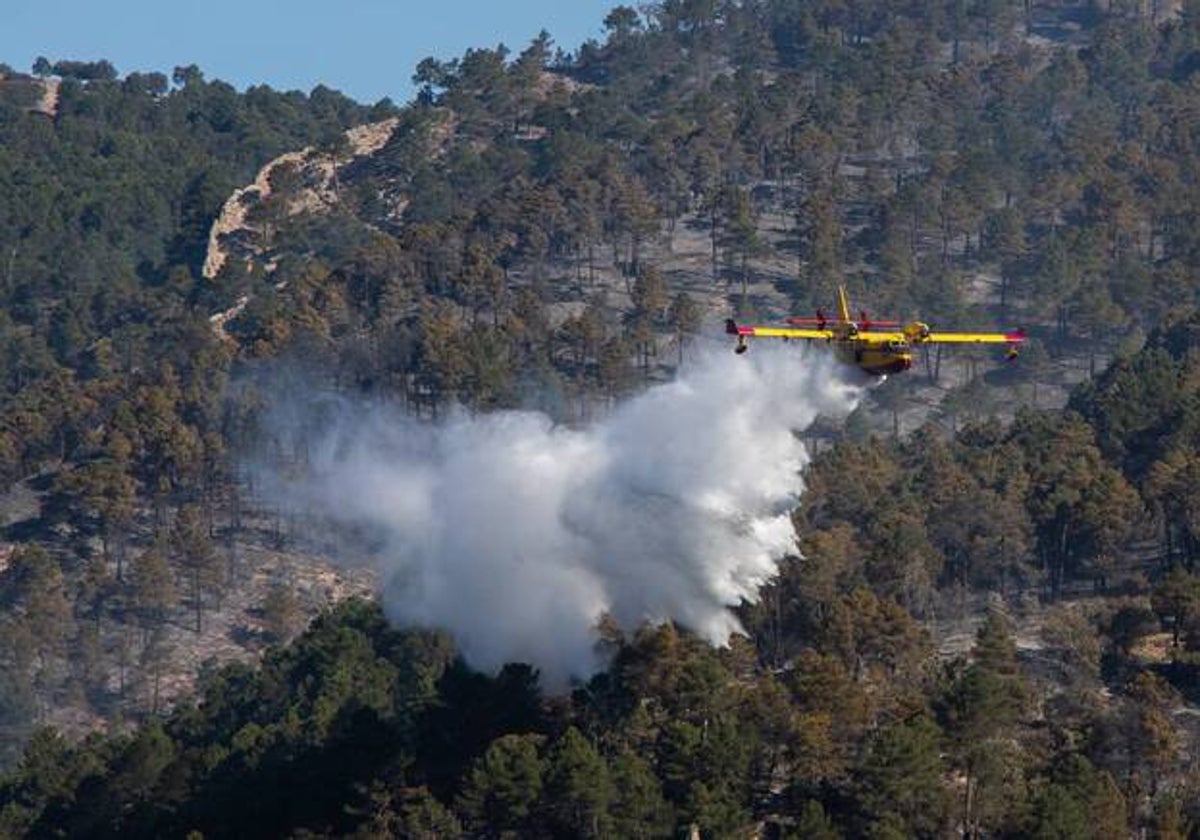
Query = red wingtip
x=1016 y=336
x=733 y=328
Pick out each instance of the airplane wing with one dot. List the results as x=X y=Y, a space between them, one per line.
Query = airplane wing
x=784 y=332
x=877 y=337
x=1015 y=337
x=736 y=329
x=881 y=337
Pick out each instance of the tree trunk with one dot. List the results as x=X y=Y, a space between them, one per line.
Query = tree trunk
x=198 y=599
x=713 y=237
x=967 y=791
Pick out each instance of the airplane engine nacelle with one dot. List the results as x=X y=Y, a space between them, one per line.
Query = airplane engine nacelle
x=916 y=331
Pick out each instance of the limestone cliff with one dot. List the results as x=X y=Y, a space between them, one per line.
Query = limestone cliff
x=230 y=231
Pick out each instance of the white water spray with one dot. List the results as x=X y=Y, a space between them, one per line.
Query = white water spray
x=517 y=535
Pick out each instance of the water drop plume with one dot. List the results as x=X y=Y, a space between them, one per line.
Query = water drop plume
x=517 y=535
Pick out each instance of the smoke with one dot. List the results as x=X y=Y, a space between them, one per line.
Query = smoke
x=517 y=535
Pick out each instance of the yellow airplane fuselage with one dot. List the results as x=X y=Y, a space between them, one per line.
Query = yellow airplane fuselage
x=876 y=347
x=874 y=359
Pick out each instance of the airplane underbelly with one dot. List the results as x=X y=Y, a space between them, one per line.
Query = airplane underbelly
x=883 y=362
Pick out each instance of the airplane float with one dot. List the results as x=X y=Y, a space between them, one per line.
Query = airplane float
x=876 y=347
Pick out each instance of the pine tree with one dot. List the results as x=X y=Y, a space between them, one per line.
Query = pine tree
x=900 y=779
x=502 y=790
x=190 y=541
x=281 y=612
x=578 y=790
x=152 y=587
x=637 y=809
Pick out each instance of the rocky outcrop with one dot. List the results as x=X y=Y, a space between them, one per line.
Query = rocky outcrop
x=220 y=319
x=48 y=103
x=44 y=92
x=318 y=191
x=233 y=233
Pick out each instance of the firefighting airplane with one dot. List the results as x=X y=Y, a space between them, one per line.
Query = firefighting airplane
x=877 y=347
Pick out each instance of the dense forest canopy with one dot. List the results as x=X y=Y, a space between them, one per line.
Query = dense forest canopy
x=550 y=229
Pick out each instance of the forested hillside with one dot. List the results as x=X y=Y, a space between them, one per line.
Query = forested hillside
x=113 y=383
x=552 y=230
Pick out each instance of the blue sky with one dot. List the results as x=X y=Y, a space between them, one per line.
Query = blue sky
x=365 y=48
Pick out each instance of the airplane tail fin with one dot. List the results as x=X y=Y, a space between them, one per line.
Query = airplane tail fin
x=843 y=305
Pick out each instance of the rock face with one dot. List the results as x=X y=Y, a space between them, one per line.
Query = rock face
x=369 y=139
x=45 y=92
x=315 y=183
x=48 y=103
x=232 y=231
x=318 y=174
x=233 y=214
